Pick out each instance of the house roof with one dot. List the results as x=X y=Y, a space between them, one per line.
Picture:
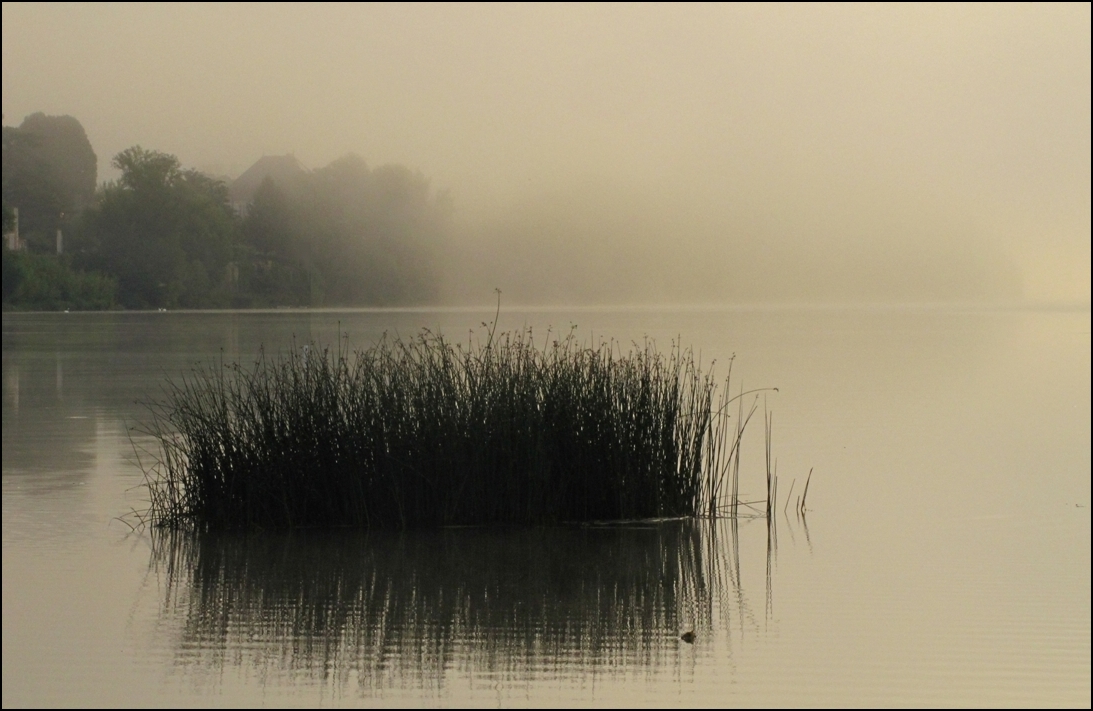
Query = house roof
x=281 y=169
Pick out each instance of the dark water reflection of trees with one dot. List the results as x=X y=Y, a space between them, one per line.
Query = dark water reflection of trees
x=417 y=604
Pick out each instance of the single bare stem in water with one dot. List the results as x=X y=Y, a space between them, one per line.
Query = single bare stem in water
x=804 y=497
x=789 y=496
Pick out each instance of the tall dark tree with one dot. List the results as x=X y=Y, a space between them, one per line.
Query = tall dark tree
x=279 y=259
x=165 y=233
x=49 y=173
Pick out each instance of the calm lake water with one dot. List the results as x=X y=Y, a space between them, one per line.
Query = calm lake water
x=944 y=558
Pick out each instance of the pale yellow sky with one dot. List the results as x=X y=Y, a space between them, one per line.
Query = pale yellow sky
x=828 y=147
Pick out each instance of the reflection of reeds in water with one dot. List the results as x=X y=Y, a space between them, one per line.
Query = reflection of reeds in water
x=423 y=602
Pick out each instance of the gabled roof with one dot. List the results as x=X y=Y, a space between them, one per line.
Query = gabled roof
x=283 y=170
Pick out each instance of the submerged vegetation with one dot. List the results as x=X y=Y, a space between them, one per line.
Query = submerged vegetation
x=423 y=432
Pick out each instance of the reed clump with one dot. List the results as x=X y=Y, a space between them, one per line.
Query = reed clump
x=423 y=432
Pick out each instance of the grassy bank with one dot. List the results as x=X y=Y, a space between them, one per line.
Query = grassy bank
x=423 y=432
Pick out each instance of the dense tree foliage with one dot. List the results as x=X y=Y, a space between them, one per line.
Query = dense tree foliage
x=48 y=282
x=346 y=235
x=162 y=236
x=279 y=270
x=165 y=233
x=49 y=172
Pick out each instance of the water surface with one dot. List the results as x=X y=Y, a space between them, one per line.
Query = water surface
x=945 y=558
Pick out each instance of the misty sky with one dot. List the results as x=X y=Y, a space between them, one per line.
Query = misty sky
x=696 y=153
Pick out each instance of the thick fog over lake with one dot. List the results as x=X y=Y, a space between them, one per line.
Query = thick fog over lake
x=250 y=254
x=710 y=154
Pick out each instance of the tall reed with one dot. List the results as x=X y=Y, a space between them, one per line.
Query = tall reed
x=423 y=432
